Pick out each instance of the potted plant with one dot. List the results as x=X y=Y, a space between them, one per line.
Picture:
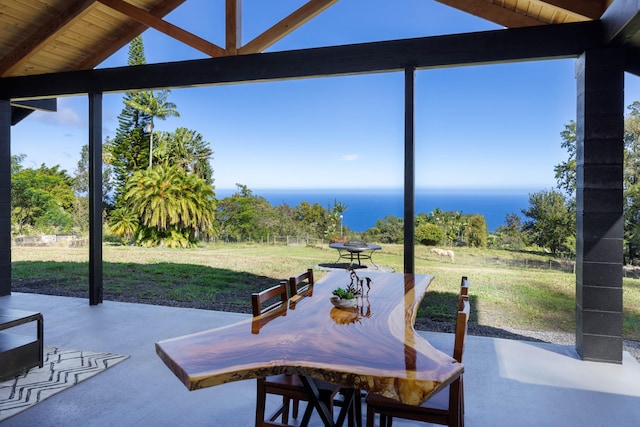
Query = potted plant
x=342 y=298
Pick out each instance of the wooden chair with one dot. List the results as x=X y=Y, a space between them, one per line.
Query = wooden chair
x=464 y=290
x=301 y=284
x=290 y=387
x=445 y=407
x=259 y=298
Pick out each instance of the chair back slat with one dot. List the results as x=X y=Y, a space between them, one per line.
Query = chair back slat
x=301 y=283
x=464 y=290
x=259 y=298
x=462 y=327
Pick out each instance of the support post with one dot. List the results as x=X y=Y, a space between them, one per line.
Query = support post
x=599 y=204
x=5 y=197
x=409 y=170
x=95 y=198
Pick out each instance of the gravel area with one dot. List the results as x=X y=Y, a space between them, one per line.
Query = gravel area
x=564 y=338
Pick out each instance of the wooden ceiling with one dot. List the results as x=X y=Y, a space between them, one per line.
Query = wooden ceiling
x=525 y=13
x=47 y=36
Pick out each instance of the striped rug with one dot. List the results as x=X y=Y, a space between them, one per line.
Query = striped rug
x=62 y=369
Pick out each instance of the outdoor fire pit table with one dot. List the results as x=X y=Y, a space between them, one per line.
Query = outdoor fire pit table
x=356 y=249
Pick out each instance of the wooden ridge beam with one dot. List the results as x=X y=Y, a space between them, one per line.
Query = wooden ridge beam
x=165 y=27
x=498 y=46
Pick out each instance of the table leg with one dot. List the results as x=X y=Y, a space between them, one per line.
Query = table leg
x=314 y=399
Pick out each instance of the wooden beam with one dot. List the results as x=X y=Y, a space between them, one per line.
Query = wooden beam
x=303 y=14
x=126 y=36
x=498 y=46
x=233 y=23
x=32 y=44
x=165 y=27
x=493 y=13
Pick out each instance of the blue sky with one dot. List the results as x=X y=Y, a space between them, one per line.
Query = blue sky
x=476 y=127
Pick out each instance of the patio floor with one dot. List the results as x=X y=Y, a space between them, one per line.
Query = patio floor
x=507 y=382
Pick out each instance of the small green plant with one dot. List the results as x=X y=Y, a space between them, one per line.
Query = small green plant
x=343 y=293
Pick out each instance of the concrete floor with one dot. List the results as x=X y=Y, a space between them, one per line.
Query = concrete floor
x=507 y=382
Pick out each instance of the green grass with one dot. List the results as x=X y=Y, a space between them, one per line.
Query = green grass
x=503 y=295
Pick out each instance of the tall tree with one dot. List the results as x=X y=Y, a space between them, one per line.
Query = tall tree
x=175 y=208
x=566 y=175
x=186 y=149
x=128 y=150
x=551 y=220
x=153 y=105
x=566 y=171
x=42 y=198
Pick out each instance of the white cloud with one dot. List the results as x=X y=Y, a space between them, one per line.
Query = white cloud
x=349 y=157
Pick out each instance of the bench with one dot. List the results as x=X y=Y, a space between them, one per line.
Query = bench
x=19 y=352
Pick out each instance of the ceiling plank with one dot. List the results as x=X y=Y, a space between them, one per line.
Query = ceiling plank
x=165 y=27
x=498 y=46
x=579 y=9
x=302 y=15
x=493 y=12
x=126 y=35
x=233 y=20
x=47 y=32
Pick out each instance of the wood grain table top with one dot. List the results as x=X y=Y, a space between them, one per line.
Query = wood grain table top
x=371 y=347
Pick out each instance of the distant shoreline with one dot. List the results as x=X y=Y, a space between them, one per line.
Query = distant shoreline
x=366 y=206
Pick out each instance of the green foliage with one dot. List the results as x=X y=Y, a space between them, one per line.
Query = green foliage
x=429 y=234
x=186 y=149
x=565 y=172
x=476 y=233
x=389 y=229
x=42 y=198
x=510 y=236
x=174 y=208
x=123 y=223
x=343 y=294
x=552 y=220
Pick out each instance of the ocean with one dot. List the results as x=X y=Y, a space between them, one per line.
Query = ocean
x=365 y=207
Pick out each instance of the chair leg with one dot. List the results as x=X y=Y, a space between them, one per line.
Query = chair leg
x=371 y=415
x=296 y=406
x=261 y=398
x=285 y=410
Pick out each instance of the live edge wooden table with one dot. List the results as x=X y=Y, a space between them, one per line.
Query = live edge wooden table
x=370 y=347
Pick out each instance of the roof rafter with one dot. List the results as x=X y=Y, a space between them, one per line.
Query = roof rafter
x=303 y=14
x=126 y=36
x=32 y=45
x=165 y=27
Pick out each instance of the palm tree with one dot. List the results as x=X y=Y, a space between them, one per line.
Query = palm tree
x=186 y=149
x=174 y=206
x=153 y=105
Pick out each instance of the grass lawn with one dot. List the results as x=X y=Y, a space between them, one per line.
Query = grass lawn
x=222 y=276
